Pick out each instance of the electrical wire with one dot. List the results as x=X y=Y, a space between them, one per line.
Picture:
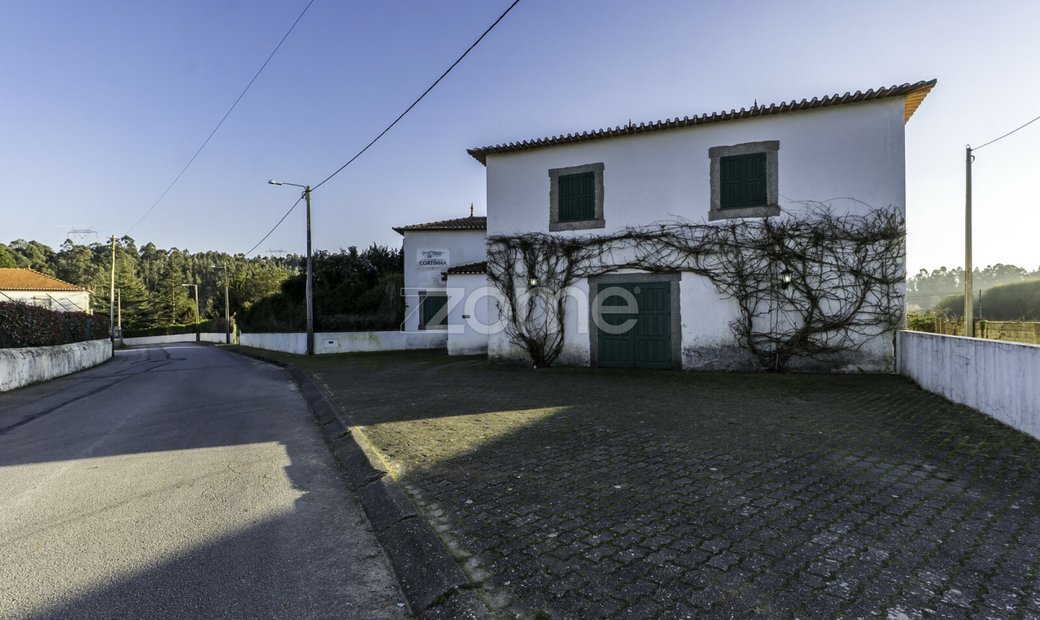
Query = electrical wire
x=396 y=120
x=1006 y=135
x=270 y=232
x=224 y=118
x=420 y=98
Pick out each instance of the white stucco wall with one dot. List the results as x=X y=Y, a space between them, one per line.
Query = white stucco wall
x=52 y=300
x=845 y=151
x=576 y=333
x=852 y=155
x=997 y=378
x=707 y=340
x=27 y=365
x=204 y=337
x=346 y=342
x=470 y=298
x=464 y=247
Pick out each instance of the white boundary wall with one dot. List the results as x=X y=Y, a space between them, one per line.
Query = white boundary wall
x=1000 y=379
x=206 y=337
x=347 y=342
x=27 y=365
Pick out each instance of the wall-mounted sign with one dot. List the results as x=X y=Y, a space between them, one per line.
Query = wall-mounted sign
x=432 y=259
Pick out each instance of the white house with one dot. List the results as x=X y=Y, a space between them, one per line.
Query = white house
x=432 y=251
x=763 y=162
x=32 y=287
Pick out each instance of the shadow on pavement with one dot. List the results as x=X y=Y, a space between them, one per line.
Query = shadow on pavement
x=606 y=493
x=229 y=505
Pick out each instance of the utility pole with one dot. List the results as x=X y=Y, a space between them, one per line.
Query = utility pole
x=119 y=310
x=112 y=295
x=227 y=305
x=310 y=268
x=969 y=301
x=227 y=308
x=310 y=278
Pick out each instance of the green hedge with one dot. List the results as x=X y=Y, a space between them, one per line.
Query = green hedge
x=23 y=325
x=210 y=326
x=921 y=321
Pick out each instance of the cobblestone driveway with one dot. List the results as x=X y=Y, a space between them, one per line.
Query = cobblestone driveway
x=580 y=493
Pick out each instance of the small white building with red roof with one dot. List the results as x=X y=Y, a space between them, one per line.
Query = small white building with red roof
x=441 y=257
x=39 y=289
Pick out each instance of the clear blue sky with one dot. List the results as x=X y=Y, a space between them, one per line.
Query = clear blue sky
x=103 y=103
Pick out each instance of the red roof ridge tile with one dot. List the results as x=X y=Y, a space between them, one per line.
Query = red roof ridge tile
x=468 y=269
x=472 y=222
x=27 y=279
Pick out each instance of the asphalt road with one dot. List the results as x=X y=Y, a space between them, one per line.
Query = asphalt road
x=179 y=481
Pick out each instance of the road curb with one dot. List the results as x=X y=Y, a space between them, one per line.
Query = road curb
x=430 y=578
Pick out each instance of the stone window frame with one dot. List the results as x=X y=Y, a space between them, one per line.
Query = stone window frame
x=771 y=149
x=598 y=220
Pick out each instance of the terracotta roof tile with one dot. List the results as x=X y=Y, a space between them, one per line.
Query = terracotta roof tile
x=13 y=279
x=913 y=95
x=473 y=222
x=469 y=269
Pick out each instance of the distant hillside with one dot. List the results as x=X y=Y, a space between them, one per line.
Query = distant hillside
x=1009 y=302
x=928 y=289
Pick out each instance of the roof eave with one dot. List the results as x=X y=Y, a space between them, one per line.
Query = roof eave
x=912 y=94
x=914 y=98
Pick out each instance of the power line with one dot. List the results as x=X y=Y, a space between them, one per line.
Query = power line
x=1007 y=134
x=420 y=98
x=224 y=118
x=396 y=120
x=270 y=232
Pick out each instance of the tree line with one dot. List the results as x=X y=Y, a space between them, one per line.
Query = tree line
x=156 y=286
x=1001 y=293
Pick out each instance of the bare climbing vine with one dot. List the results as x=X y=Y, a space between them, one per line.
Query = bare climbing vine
x=844 y=272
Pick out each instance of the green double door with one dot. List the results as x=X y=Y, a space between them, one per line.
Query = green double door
x=647 y=341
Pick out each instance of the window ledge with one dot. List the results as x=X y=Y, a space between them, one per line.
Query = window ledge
x=728 y=214
x=582 y=225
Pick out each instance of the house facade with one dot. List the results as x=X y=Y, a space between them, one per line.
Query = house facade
x=38 y=289
x=769 y=161
x=432 y=251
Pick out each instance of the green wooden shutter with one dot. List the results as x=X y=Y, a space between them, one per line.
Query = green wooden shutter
x=577 y=197
x=433 y=312
x=742 y=181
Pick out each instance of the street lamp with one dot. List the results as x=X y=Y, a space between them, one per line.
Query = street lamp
x=198 y=336
x=227 y=307
x=310 y=271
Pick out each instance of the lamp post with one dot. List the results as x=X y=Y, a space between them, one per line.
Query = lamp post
x=310 y=272
x=198 y=335
x=227 y=306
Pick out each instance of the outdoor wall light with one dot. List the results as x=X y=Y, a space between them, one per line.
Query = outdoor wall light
x=532 y=282
x=785 y=278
